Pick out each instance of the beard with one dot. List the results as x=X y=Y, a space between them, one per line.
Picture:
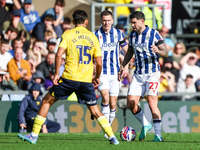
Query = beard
x=27 y=11
x=138 y=30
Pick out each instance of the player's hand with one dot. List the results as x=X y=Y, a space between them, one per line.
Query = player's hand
x=96 y=81
x=155 y=49
x=120 y=74
x=22 y=125
x=55 y=80
x=125 y=72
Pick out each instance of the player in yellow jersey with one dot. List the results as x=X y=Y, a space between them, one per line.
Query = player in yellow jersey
x=80 y=46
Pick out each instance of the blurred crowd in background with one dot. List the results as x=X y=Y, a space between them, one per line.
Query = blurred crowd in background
x=29 y=43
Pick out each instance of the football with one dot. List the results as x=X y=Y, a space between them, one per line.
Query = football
x=128 y=134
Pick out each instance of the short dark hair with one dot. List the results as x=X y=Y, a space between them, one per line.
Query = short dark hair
x=79 y=16
x=67 y=20
x=37 y=40
x=106 y=13
x=48 y=18
x=4 y=41
x=138 y=15
x=60 y=3
x=51 y=53
x=12 y=29
x=189 y=76
x=18 y=39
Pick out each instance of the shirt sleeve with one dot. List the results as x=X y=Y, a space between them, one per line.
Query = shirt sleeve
x=158 y=39
x=122 y=41
x=63 y=41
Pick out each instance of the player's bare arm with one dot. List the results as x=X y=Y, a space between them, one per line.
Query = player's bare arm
x=57 y=67
x=127 y=58
x=161 y=49
x=125 y=72
x=96 y=79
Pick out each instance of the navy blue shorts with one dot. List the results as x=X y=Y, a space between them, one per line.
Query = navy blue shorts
x=84 y=91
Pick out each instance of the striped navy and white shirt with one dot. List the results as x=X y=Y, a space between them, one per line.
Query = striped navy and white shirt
x=146 y=61
x=110 y=46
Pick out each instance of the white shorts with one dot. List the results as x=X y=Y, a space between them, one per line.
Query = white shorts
x=111 y=83
x=148 y=83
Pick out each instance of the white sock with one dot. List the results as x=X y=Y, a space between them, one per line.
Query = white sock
x=111 y=137
x=157 y=126
x=34 y=134
x=112 y=116
x=141 y=118
x=105 y=109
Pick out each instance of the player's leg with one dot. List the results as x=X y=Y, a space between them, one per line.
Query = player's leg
x=103 y=122
x=104 y=91
x=114 y=92
x=113 y=102
x=47 y=101
x=152 y=98
x=153 y=104
x=87 y=93
x=139 y=114
x=105 y=109
x=136 y=91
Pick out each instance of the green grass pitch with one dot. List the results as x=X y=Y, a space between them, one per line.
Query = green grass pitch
x=96 y=141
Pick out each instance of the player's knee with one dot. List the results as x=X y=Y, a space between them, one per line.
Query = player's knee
x=131 y=103
x=105 y=100
x=112 y=105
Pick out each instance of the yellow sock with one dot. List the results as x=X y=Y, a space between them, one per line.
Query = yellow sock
x=103 y=122
x=38 y=122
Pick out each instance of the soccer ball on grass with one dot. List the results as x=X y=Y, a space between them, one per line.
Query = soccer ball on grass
x=128 y=134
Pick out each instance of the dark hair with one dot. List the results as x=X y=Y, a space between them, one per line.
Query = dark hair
x=138 y=15
x=18 y=39
x=4 y=41
x=67 y=20
x=51 y=53
x=60 y=3
x=189 y=76
x=79 y=16
x=22 y=33
x=12 y=29
x=37 y=40
x=48 y=18
x=106 y=13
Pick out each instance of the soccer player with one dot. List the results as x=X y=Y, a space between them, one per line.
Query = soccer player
x=147 y=44
x=110 y=40
x=80 y=46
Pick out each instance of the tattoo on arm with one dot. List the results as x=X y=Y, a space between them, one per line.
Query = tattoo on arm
x=128 y=56
x=163 y=50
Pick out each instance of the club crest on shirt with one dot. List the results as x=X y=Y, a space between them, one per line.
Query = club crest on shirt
x=38 y=103
x=147 y=38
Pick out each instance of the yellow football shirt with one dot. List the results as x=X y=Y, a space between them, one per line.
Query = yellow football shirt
x=81 y=46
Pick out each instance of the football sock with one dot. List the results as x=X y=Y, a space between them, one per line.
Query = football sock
x=103 y=122
x=38 y=122
x=112 y=116
x=105 y=109
x=141 y=118
x=157 y=126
